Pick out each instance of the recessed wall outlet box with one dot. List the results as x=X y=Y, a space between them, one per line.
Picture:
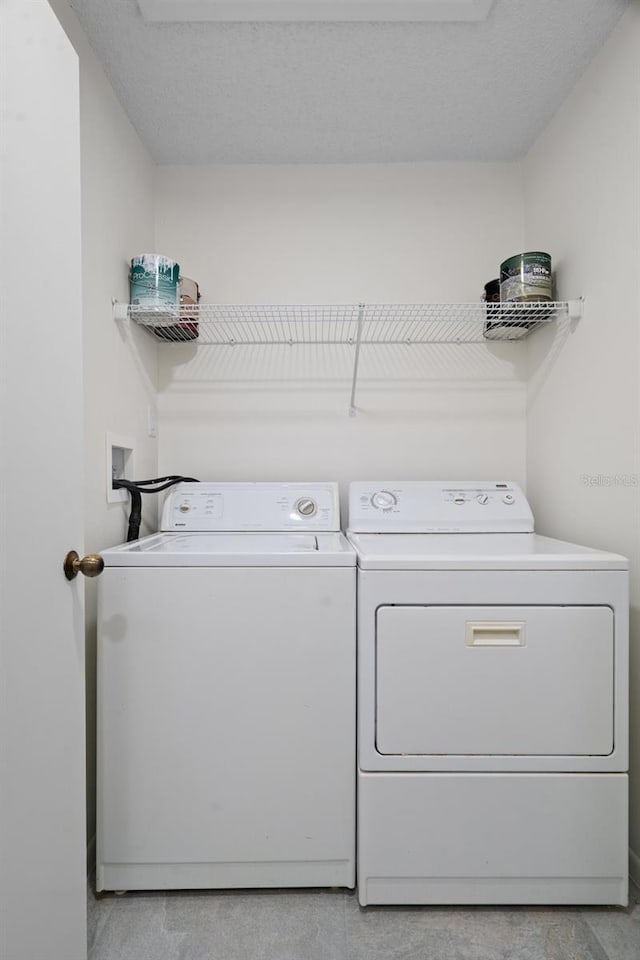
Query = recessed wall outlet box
x=119 y=463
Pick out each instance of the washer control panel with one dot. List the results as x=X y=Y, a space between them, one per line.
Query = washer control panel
x=435 y=506
x=272 y=507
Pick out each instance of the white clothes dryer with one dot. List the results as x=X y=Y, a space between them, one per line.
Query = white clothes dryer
x=226 y=694
x=492 y=702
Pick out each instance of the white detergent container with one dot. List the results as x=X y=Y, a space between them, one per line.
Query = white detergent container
x=226 y=694
x=492 y=702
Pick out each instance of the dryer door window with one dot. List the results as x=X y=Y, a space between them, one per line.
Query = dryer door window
x=494 y=681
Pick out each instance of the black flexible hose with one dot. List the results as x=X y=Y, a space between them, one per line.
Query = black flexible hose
x=136 y=488
x=170 y=481
x=135 y=513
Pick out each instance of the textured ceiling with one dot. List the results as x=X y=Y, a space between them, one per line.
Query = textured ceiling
x=346 y=92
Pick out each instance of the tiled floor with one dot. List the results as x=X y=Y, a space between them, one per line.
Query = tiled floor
x=329 y=925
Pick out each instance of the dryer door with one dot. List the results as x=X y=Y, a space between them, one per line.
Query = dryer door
x=491 y=681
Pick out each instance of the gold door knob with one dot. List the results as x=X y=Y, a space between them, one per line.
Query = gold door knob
x=90 y=566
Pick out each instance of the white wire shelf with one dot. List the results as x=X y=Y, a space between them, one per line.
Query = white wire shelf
x=258 y=324
x=230 y=325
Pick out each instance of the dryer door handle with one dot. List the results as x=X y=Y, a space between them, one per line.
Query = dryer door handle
x=494 y=633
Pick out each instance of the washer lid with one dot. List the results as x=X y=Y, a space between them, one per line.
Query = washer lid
x=477 y=551
x=233 y=550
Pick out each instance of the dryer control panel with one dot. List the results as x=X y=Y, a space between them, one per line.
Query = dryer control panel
x=437 y=506
x=210 y=507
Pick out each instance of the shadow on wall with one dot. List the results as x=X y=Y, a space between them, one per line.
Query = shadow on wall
x=472 y=361
x=414 y=382
x=135 y=340
x=546 y=349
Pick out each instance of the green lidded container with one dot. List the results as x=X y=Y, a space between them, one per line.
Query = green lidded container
x=526 y=276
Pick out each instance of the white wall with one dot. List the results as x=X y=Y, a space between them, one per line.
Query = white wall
x=581 y=184
x=120 y=366
x=341 y=234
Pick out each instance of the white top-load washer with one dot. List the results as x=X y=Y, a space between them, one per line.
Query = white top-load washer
x=492 y=701
x=226 y=694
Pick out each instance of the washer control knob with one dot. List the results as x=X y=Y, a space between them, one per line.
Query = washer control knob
x=306 y=507
x=508 y=498
x=184 y=508
x=384 y=500
x=459 y=499
x=482 y=498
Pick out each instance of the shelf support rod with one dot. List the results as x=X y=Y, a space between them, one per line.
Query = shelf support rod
x=356 y=360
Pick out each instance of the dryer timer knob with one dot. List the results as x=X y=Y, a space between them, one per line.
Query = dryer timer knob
x=384 y=500
x=306 y=507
